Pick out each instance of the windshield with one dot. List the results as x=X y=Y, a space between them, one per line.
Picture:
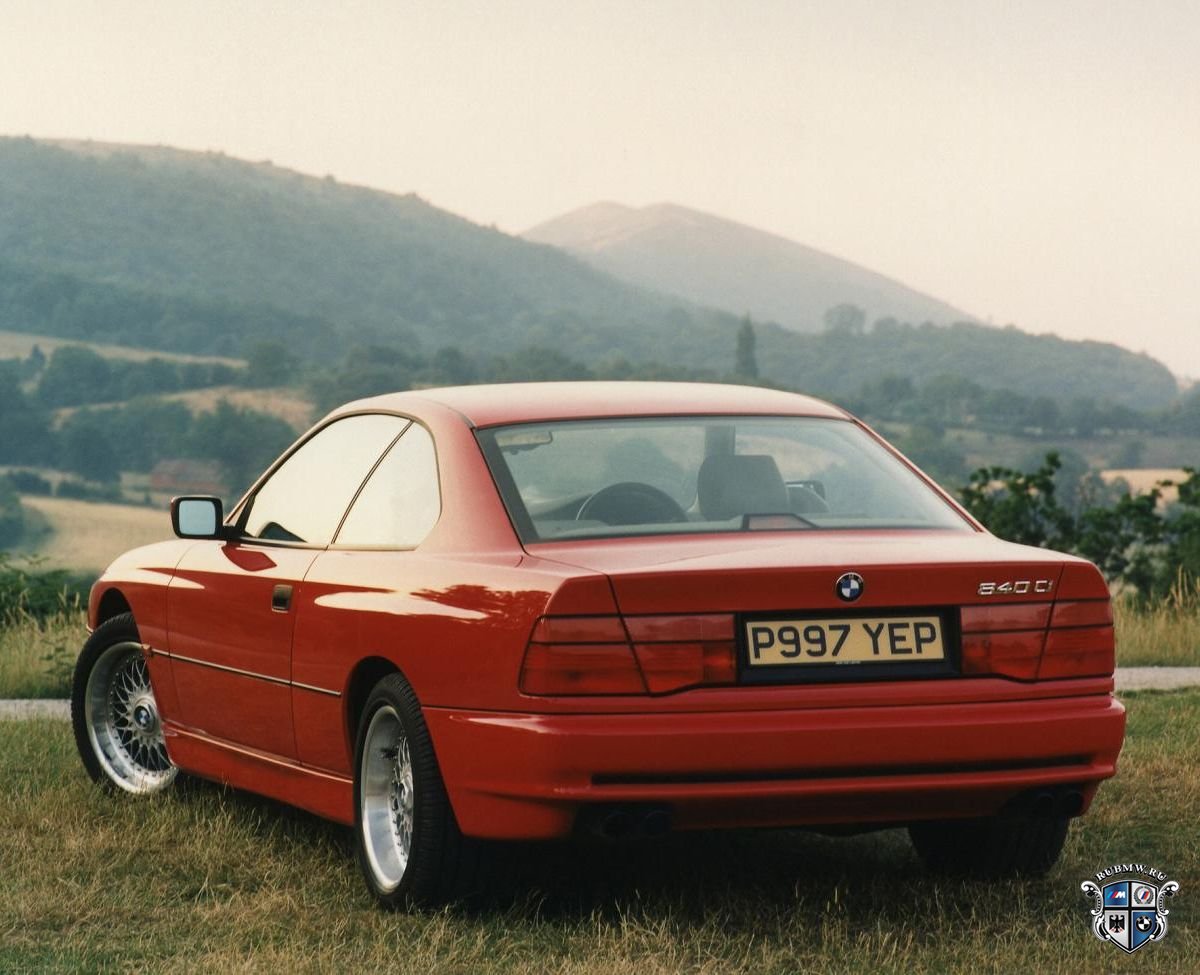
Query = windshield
x=681 y=475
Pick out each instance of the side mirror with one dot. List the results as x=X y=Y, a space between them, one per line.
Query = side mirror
x=199 y=516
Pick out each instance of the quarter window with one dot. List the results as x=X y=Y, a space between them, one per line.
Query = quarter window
x=306 y=497
x=400 y=503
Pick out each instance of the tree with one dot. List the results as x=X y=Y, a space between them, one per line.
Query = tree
x=845 y=319
x=746 y=365
x=75 y=374
x=1021 y=507
x=87 y=449
x=12 y=515
x=270 y=363
x=242 y=441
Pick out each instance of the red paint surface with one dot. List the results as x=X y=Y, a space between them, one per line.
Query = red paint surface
x=265 y=700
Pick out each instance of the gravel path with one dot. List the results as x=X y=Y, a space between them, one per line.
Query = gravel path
x=1128 y=679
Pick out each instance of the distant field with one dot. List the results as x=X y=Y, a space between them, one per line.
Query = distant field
x=87 y=535
x=19 y=344
x=985 y=449
x=288 y=404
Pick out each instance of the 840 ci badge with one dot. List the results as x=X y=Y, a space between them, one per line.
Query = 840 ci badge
x=1127 y=910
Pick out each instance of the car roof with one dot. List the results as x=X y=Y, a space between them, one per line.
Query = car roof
x=501 y=403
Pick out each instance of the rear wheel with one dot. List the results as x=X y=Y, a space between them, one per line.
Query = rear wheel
x=993 y=846
x=408 y=843
x=117 y=726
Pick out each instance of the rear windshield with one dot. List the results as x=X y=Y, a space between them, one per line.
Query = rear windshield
x=683 y=475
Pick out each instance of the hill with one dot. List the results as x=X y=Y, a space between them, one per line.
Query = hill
x=210 y=252
x=718 y=262
x=203 y=254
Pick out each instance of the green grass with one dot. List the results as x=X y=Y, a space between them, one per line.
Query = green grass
x=37 y=657
x=203 y=879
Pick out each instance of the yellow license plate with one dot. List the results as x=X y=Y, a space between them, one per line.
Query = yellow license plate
x=890 y=639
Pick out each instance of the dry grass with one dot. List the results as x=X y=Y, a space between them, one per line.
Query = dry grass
x=1167 y=634
x=286 y=403
x=290 y=405
x=38 y=656
x=87 y=535
x=203 y=880
x=20 y=344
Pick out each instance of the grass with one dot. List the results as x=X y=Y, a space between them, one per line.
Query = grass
x=1165 y=634
x=37 y=657
x=20 y=344
x=203 y=879
x=288 y=403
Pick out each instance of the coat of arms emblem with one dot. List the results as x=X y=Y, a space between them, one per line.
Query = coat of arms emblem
x=1131 y=911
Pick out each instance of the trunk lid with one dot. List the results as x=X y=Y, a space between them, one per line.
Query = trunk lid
x=769 y=571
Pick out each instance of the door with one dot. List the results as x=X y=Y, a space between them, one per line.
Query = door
x=230 y=606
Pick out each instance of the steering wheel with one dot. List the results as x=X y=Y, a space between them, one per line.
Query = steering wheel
x=630 y=503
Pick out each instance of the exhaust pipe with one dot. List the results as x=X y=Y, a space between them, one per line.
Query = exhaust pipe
x=627 y=822
x=1043 y=805
x=1069 y=803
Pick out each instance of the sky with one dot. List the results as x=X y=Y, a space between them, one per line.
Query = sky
x=1033 y=162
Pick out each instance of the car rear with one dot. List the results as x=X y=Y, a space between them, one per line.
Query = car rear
x=770 y=667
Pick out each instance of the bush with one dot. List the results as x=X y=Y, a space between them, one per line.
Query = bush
x=30 y=482
x=30 y=592
x=12 y=515
x=70 y=488
x=1135 y=544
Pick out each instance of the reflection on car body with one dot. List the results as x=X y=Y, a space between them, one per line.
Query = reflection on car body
x=513 y=612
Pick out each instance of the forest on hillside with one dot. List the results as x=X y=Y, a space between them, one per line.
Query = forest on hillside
x=200 y=253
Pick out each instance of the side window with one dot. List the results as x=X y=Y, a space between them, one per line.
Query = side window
x=306 y=497
x=400 y=503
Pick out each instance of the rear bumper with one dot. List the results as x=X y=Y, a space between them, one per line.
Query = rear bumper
x=527 y=776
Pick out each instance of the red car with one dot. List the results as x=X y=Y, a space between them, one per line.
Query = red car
x=514 y=612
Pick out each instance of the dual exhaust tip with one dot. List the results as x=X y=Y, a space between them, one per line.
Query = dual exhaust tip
x=650 y=821
x=1061 y=803
x=627 y=821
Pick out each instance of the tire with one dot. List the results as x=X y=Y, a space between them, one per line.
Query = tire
x=407 y=841
x=117 y=726
x=991 y=847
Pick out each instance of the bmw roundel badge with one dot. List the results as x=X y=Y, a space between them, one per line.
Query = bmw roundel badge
x=850 y=586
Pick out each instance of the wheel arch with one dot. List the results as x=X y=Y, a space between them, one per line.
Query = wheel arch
x=366 y=674
x=112 y=603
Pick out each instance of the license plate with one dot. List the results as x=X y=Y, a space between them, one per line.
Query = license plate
x=889 y=639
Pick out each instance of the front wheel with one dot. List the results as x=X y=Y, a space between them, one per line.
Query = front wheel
x=117 y=727
x=407 y=841
x=994 y=846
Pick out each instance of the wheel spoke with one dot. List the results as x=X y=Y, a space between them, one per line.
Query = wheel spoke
x=122 y=721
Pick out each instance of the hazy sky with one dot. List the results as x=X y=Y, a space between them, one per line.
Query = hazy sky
x=1030 y=162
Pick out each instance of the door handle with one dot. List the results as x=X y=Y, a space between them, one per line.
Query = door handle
x=281 y=599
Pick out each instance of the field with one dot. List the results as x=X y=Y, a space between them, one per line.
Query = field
x=204 y=879
x=19 y=344
x=288 y=404
x=87 y=535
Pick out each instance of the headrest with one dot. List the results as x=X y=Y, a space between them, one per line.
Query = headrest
x=729 y=485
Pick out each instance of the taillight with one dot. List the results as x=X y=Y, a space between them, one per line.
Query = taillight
x=675 y=652
x=632 y=655
x=1005 y=639
x=1081 y=642
x=1038 y=641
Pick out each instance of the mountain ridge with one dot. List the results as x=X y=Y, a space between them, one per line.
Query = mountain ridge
x=710 y=259
x=206 y=254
